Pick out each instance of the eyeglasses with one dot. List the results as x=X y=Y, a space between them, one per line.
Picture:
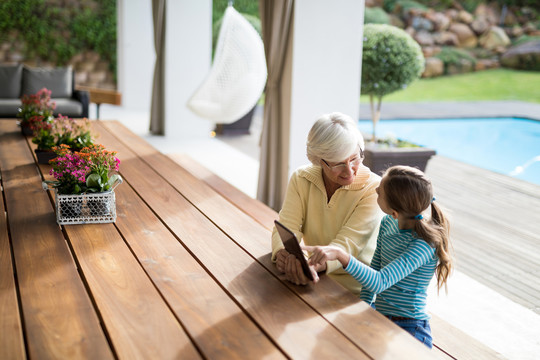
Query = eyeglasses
x=345 y=165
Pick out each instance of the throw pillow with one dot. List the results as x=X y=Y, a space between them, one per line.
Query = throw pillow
x=10 y=80
x=58 y=81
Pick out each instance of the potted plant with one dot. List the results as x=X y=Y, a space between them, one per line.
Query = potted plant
x=52 y=132
x=84 y=184
x=391 y=60
x=38 y=104
x=101 y=177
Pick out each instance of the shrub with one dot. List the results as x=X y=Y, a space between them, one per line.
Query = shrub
x=376 y=15
x=454 y=57
x=391 y=60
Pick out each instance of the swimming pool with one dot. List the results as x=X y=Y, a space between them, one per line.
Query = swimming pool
x=509 y=146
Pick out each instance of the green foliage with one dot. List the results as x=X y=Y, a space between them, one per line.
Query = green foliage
x=253 y=20
x=391 y=60
x=454 y=56
x=525 y=39
x=402 y=5
x=56 y=33
x=376 y=15
x=249 y=7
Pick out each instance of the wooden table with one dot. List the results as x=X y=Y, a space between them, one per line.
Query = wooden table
x=183 y=273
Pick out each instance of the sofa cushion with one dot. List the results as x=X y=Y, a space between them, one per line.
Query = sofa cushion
x=58 y=81
x=68 y=107
x=9 y=107
x=10 y=80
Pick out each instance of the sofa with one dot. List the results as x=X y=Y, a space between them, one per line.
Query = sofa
x=18 y=80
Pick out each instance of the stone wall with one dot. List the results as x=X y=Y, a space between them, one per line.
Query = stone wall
x=486 y=34
x=90 y=69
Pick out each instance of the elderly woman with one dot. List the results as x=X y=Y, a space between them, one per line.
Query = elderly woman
x=331 y=202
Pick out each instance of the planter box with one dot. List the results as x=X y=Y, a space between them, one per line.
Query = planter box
x=85 y=208
x=379 y=159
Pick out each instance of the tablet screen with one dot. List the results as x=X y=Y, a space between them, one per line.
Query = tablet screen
x=293 y=247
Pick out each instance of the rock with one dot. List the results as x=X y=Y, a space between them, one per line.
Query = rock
x=510 y=19
x=465 y=17
x=410 y=30
x=490 y=13
x=420 y=23
x=523 y=57
x=514 y=31
x=452 y=14
x=97 y=76
x=430 y=51
x=446 y=38
x=480 y=25
x=440 y=21
x=81 y=77
x=396 y=21
x=493 y=38
x=529 y=28
x=434 y=67
x=85 y=66
x=465 y=35
x=485 y=64
x=424 y=38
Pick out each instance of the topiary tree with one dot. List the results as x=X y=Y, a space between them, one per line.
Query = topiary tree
x=391 y=60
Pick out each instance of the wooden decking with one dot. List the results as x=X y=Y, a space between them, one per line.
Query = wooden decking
x=495 y=227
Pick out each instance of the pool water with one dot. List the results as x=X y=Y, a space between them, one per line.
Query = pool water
x=509 y=146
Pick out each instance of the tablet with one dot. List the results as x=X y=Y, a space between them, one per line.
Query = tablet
x=293 y=247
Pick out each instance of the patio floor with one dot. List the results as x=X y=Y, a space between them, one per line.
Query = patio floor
x=494 y=294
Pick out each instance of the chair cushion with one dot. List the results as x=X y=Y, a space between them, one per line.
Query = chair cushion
x=58 y=81
x=68 y=107
x=10 y=80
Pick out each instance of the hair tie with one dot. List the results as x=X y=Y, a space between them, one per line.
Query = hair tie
x=418 y=217
x=434 y=198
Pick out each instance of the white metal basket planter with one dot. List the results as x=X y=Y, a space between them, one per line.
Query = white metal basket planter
x=85 y=208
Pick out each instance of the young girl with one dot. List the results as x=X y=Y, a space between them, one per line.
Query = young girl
x=411 y=247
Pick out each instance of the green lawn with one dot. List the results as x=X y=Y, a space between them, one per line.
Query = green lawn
x=497 y=84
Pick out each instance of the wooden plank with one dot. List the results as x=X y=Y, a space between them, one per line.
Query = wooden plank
x=448 y=336
x=11 y=341
x=236 y=224
x=139 y=323
x=216 y=324
x=494 y=227
x=291 y=324
x=59 y=318
x=256 y=209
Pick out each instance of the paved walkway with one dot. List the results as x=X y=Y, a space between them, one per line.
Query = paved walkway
x=434 y=110
x=495 y=317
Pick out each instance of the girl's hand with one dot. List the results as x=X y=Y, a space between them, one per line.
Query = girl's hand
x=322 y=254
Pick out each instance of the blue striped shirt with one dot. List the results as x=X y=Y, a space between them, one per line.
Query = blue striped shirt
x=400 y=272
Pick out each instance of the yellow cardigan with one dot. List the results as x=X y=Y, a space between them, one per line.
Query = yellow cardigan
x=350 y=220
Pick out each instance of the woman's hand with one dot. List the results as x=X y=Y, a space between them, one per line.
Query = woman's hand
x=288 y=263
x=321 y=254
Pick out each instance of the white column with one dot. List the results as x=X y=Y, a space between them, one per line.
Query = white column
x=326 y=69
x=136 y=54
x=187 y=63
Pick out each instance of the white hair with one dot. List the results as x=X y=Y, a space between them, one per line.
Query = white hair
x=334 y=137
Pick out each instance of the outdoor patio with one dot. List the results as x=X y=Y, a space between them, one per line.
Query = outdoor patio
x=494 y=295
